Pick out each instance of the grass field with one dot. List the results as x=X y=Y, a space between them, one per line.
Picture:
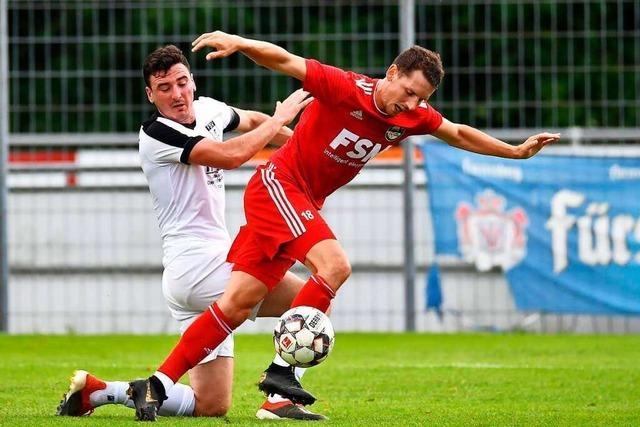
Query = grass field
x=370 y=379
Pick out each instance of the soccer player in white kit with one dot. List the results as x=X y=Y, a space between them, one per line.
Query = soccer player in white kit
x=183 y=158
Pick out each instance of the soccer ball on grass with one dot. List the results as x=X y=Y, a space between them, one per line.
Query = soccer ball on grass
x=303 y=336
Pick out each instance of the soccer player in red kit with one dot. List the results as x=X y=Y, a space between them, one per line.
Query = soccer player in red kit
x=352 y=119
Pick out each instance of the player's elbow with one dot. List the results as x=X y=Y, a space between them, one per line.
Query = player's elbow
x=249 y=120
x=455 y=140
x=217 y=155
x=256 y=119
x=235 y=162
x=232 y=159
x=220 y=163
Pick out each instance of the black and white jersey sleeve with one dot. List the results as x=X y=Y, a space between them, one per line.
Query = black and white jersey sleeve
x=234 y=121
x=166 y=141
x=225 y=118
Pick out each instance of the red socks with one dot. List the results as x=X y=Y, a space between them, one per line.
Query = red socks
x=200 y=338
x=315 y=293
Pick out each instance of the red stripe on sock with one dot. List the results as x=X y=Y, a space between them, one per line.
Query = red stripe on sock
x=315 y=293
x=201 y=337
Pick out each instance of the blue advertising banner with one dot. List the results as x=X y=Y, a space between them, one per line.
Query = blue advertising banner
x=565 y=229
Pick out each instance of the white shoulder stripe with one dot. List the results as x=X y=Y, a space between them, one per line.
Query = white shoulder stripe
x=366 y=87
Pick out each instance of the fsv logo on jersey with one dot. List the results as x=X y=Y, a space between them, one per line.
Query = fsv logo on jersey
x=362 y=149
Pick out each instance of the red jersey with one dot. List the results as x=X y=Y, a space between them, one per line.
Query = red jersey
x=342 y=129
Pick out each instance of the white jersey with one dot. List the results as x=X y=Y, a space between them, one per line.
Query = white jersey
x=189 y=200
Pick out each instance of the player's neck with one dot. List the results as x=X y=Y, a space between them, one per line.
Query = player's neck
x=187 y=121
x=376 y=98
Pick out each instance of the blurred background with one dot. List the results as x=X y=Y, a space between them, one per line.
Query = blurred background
x=82 y=249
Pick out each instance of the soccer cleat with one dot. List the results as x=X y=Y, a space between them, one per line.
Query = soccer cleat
x=286 y=410
x=147 y=396
x=76 y=403
x=281 y=380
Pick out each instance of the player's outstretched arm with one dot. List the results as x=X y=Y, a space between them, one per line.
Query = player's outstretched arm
x=236 y=151
x=471 y=139
x=262 y=53
x=249 y=120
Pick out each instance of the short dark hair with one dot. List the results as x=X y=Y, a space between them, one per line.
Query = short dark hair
x=425 y=60
x=161 y=59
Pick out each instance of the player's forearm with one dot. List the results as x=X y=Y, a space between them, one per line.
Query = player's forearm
x=281 y=137
x=474 y=140
x=263 y=53
x=255 y=119
x=240 y=149
x=273 y=57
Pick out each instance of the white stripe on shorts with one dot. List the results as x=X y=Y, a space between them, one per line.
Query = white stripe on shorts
x=285 y=214
x=280 y=191
x=283 y=205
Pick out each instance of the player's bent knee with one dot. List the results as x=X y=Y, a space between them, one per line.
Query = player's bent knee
x=346 y=270
x=341 y=269
x=336 y=272
x=212 y=405
x=236 y=314
x=241 y=315
x=237 y=306
x=212 y=409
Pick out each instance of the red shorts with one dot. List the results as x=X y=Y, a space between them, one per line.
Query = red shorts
x=282 y=226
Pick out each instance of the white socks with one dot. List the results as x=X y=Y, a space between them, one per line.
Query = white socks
x=280 y=361
x=167 y=382
x=180 y=399
x=299 y=372
x=115 y=392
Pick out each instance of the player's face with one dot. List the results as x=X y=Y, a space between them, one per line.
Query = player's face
x=403 y=92
x=172 y=94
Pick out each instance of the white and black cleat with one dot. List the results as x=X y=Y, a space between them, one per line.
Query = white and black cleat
x=147 y=396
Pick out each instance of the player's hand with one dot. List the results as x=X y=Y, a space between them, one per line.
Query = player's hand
x=535 y=143
x=288 y=109
x=223 y=43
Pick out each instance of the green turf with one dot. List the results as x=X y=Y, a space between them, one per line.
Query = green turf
x=370 y=379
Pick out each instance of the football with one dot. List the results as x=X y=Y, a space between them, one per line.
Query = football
x=303 y=336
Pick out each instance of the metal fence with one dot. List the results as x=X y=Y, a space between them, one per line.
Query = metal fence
x=84 y=249
x=75 y=64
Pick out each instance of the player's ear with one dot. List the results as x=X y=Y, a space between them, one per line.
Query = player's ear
x=392 y=71
x=193 y=82
x=147 y=89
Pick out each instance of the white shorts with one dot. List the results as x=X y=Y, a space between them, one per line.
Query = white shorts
x=191 y=282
